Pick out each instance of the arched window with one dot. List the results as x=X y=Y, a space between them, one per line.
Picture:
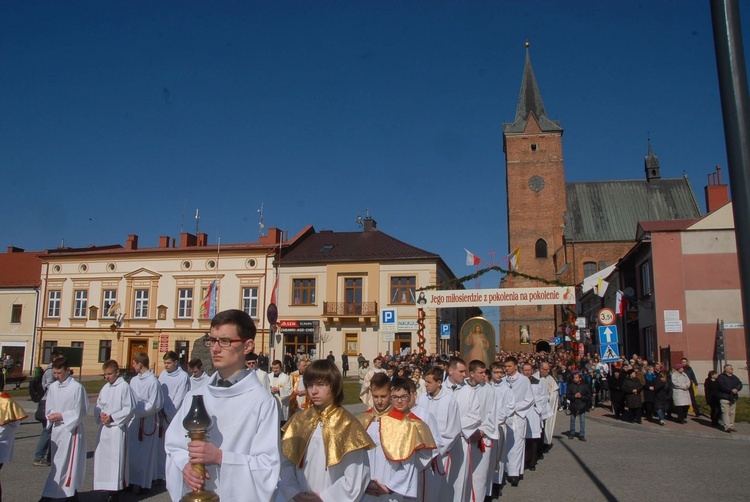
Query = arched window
x=540 y=249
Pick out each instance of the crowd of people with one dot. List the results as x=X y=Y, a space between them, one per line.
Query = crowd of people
x=435 y=428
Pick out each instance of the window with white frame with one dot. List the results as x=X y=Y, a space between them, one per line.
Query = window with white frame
x=81 y=304
x=250 y=302
x=53 y=306
x=185 y=303
x=109 y=298
x=140 y=308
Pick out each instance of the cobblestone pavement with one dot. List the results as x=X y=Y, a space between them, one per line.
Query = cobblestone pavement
x=620 y=461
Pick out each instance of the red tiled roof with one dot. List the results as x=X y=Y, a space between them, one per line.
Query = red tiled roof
x=20 y=270
x=372 y=245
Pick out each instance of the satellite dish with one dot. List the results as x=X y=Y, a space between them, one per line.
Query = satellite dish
x=359 y=220
x=629 y=292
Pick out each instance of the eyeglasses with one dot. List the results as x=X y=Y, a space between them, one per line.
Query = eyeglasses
x=402 y=397
x=223 y=342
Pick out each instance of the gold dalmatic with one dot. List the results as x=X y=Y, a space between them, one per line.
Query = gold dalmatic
x=401 y=435
x=342 y=434
x=10 y=411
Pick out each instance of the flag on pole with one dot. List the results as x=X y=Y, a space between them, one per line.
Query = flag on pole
x=275 y=290
x=620 y=304
x=472 y=259
x=208 y=306
x=514 y=259
x=601 y=288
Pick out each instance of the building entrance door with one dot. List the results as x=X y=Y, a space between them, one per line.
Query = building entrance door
x=136 y=345
x=182 y=347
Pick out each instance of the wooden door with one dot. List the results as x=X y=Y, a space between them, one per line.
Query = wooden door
x=136 y=345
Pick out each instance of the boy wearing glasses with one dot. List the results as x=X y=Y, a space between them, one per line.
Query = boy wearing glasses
x=324 y=449
x=404 y=444
x=251 y=363
x=241 y=452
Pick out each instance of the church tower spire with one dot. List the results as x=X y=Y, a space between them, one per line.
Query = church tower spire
x=530 y=103
x=651 y=163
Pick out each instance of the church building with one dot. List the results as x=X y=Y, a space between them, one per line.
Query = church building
x=569 y=230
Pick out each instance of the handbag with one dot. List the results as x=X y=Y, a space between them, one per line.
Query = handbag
x=41 y=411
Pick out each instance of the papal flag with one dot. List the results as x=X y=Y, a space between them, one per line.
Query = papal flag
x=472 y=259
x=514 y=259
x=601 y=287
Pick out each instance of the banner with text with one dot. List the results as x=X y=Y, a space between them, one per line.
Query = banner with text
x=503 y=297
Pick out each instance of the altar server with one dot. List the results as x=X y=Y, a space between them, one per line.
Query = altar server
x=198 y=377
x=174 y=383
x=515 y=432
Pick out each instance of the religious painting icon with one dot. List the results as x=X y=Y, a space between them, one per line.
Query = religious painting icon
x=478 y=341
x=524 y=334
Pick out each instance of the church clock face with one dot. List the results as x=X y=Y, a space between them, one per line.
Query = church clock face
x=536 y=183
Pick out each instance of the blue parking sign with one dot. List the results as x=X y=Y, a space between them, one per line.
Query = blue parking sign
x=388 y=316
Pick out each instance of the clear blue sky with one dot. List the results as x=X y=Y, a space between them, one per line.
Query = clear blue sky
x=120 y=117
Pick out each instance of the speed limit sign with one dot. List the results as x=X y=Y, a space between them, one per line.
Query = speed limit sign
x=606 y=317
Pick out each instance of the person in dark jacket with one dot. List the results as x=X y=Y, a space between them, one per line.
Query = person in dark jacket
x=662 y=395
x=711 y=389
x=648 y=392
x=579 y=396
x=616 y=396
x=728 y=391
x=632 y=388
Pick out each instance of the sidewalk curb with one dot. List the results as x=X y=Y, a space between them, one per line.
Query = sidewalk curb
x=663 y=430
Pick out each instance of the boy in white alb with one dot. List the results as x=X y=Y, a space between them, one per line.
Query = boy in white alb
x=143 y=433
x=114 y=410
x=241 y=451
x=175 y=383
x=198 y=377
x=67 y=405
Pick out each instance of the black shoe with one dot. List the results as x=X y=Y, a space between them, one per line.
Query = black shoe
x=532 y=468
x=571 y=435
x=496 y=490
x=582 y=438
x=541 y=456
x=513 y=480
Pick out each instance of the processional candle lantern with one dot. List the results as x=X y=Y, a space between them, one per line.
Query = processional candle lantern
x=197 y=422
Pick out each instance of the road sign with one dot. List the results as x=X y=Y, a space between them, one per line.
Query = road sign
x=606 y=317
x=445 y=331
x=388 y=336
x=610 y=352
x=388 y=321
x=558 y=340
x=608 y=334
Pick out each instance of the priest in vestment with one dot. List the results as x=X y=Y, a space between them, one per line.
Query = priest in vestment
x=67 y=405
x=241 y=451
x=143 y=433
x=404 y=443
x=281 y=389
x=114 y=410
x=324 y=448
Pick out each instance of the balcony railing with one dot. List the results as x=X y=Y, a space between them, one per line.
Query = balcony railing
x=344 y=309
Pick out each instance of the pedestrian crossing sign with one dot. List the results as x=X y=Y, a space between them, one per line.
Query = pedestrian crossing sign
x=610 y=352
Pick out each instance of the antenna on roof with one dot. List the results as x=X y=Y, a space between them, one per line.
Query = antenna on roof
x=182 y=222
x=260 y=222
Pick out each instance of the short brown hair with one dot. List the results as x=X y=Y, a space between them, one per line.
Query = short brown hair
x=436 y=373
x=242 y=321
x=455 y=361
x=111 y=364
x=476 y=363
x=380 y=381
x=60 y=363
x=141 y=358
x=325 y=371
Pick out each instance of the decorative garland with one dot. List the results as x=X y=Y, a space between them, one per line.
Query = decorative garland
x=420 y=331
x=449 y=284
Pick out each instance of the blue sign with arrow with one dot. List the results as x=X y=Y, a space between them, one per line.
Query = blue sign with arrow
x=608 y=334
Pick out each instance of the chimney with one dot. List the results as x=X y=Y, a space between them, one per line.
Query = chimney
x=164 y=241
x=717 y=194
x=202 y=239
x=369 y=224
x=187 y=240
x=14 y=249
x=273 y=237
x=132 y=243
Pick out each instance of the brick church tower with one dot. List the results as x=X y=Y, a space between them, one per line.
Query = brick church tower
x=537 y=203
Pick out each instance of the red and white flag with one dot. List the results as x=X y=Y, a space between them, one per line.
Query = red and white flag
x=472 y=259
x=620 y=304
